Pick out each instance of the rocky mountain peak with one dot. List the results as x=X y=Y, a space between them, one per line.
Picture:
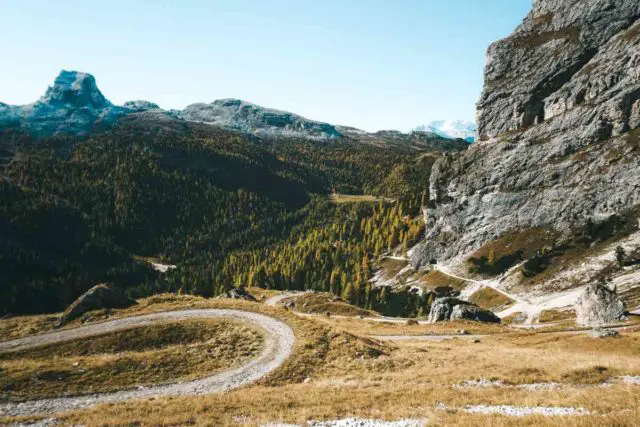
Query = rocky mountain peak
x=76 y=89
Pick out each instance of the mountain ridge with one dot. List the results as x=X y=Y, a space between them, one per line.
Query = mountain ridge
x=74 y=105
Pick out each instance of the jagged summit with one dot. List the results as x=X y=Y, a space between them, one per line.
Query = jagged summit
x=76 y=89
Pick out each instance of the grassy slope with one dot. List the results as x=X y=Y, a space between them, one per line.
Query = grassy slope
x=490 y=299
x=352 y=376
x=135 y=357
x=326 y=303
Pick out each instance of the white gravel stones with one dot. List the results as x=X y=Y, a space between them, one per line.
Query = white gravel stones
x=354 y=422
x=523 y=411
x=481 y=383
x=486 y=383
x=629 y=379
x=357 y=422
x=518 y=411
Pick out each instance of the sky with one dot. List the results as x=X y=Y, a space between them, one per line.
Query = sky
x=372 y=64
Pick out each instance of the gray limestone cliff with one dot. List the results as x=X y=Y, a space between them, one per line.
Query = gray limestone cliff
x=558 y=124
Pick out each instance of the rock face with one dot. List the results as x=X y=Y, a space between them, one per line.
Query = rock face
x=565 y=54
x=558 y=128
x=448 y=309
x=599 y=305
x=243 y=116
x=104 y=295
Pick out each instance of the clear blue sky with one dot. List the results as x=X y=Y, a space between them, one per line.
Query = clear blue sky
x=373 y=64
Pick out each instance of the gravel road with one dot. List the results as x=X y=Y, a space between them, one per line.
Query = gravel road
x=279 y=340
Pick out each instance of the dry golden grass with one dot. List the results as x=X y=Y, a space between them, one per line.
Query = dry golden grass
x=322 y=303
x=408 y=382
x=517 y=317
x=490 y=299
x=369 y=328
x=136 y=357
x=528 y=241
x=20 y=326
x=556 y=315
x=354 y=376
x=391 y=267
x=300 y=403
x=435 y=279
x=262 y=294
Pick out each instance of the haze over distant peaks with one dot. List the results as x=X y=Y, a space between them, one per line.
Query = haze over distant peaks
x=451 y=129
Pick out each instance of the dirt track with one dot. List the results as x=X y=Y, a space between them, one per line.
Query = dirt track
x=279 y=341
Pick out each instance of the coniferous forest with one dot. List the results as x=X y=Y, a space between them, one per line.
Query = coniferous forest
x=228 y=209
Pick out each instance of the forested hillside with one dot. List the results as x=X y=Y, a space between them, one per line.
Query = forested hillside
x=227 y=209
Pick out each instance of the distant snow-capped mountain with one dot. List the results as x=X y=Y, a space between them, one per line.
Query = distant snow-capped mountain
x=451 y=129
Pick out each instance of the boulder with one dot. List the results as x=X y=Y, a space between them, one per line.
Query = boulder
x=449 y=308
x=239 y=293
x=602 y=333
x=104 y=295
x=599 y=305
x=473 y=312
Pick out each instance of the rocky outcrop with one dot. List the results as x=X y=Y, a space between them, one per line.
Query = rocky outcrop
x=599 y=305
x=239 y=293
x=104 y=295
x=558 y=127
x=449 y=309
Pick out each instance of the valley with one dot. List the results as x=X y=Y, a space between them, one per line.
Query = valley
x=232 y=264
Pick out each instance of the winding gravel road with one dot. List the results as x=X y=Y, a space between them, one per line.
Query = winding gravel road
x=279 y=341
